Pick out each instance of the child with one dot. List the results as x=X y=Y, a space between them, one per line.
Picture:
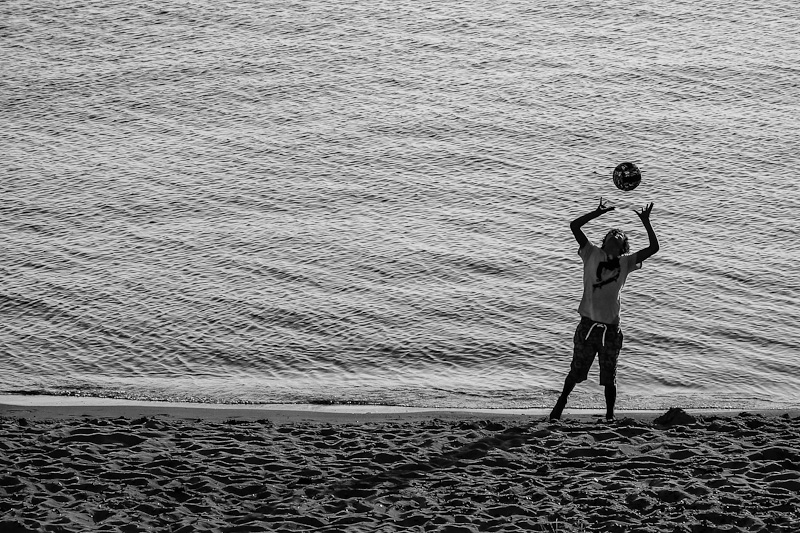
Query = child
x=604 y=272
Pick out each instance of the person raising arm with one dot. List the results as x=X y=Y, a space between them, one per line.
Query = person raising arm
x=646 y=253
x=605 y=270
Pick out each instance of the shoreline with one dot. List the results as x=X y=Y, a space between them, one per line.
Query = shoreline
x=45 y=406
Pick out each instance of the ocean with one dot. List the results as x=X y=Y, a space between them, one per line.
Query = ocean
x=368 y=202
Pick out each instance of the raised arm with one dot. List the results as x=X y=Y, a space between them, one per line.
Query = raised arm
x=578 y=223
x=645 y=253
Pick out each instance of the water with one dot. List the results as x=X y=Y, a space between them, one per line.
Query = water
x=369 y=202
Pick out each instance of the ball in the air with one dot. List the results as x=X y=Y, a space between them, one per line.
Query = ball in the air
x=627 y=176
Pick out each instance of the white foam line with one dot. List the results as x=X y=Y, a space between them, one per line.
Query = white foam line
x=80 y=401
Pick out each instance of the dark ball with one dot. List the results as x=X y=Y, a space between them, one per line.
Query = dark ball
x=627 y=176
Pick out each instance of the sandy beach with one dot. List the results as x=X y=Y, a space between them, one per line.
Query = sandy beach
x=148 y=467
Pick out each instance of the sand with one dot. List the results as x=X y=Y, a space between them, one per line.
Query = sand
x=170 y=468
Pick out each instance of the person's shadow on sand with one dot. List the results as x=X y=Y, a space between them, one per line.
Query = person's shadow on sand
x=402 y=475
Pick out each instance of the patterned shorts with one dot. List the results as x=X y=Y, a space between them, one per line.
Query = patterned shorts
x=592 y=338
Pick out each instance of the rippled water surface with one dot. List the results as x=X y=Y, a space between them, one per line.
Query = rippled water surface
x=370 y=202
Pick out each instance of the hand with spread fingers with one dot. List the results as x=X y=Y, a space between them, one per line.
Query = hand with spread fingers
x=603 y=207
x=644 y=214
